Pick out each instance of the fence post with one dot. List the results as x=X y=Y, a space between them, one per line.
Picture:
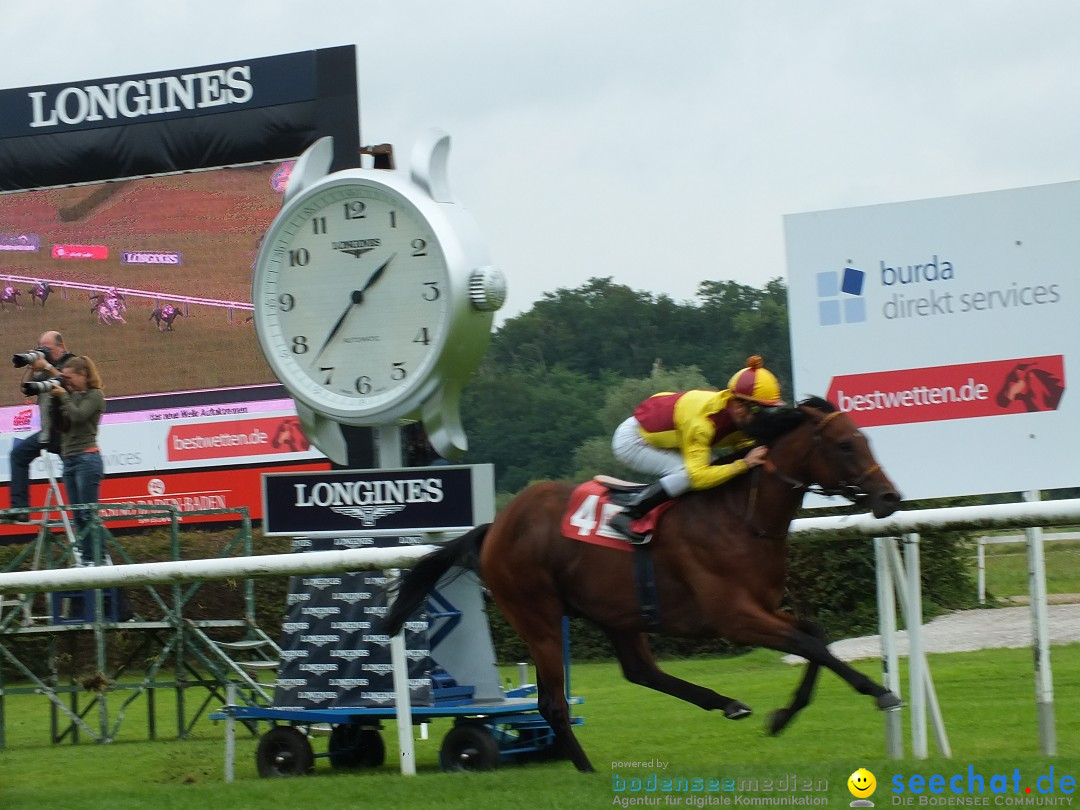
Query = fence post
x=982 y=570
x=1044 y=681
x=890 y=661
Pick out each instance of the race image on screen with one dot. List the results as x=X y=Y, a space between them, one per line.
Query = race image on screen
x=151 y=277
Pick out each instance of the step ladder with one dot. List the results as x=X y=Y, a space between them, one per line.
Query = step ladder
x=261 y=653
x=47 y=523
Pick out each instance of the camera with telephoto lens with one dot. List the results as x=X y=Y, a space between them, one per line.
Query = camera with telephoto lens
x=27 y=358
x=33 y=387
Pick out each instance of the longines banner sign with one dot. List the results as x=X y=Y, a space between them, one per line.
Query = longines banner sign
x=378 y=502
x=240 y=111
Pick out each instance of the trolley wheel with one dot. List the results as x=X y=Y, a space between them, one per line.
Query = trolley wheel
x=352 y=746
x=469 y=747
x=284 y=751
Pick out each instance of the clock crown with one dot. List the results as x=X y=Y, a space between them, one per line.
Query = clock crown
x=487 y=288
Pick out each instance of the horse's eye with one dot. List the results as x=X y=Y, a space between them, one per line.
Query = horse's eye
x=846 y=445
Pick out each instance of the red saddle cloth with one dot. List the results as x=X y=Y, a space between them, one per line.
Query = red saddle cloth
x=589 y=510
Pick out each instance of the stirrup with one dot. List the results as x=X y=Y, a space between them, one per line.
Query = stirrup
x=628 y=534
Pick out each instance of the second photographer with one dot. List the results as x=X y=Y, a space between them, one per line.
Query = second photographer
x=82 y=402
x=42 y=366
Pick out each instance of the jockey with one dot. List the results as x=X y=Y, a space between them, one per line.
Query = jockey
x=676 y=435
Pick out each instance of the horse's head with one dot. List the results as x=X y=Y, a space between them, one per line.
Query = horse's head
x=814 y=443
x=1014 y=386
x=1036 y=388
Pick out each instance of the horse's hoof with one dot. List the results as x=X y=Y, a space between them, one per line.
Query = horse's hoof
x=888 y=700
x=778 y=721
x=737 y=710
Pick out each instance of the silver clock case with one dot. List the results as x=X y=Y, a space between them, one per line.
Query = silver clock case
x=434 y=395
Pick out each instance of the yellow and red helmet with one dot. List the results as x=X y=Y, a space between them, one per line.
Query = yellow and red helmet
x=756 y=383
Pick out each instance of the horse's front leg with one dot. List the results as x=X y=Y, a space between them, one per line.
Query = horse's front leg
x=778 y=631
x=780 y=718
x=639 y=667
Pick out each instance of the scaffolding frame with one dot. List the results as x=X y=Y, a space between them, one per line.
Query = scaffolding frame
x=171 y=650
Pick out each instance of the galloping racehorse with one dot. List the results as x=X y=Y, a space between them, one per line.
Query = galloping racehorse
x=719 y=561
x=40 y=292
x=10 y=295
x=165 y=315
x=109 y=311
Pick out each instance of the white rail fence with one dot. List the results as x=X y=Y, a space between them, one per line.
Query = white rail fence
x=155 y=297
x=1008 y=538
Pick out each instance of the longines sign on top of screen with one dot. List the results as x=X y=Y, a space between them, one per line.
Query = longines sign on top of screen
x=373 y=502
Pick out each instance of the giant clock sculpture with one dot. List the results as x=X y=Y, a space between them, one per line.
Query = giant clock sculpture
x=374 y=296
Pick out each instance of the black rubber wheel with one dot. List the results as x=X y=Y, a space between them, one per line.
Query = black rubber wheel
x=284 y=751
x=469 y=747
x=352 y=746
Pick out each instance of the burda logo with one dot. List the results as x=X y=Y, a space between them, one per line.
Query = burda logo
x=840 y=296
x=137 y=98
x=23 y=419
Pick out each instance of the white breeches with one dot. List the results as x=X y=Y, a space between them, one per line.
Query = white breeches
x=630 y=447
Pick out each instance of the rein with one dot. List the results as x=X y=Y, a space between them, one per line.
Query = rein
x=852 y=491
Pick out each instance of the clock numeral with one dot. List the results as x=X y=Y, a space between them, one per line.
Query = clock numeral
x=422 y=336
x=286 y=302
x=393 y=219
x=299 y=345
x=419 y=247
x=431 y=293
x=398 y=372
x=318 y=225
x=363 y=385
x=355 y=210
x=329 y=373
x=299 y=257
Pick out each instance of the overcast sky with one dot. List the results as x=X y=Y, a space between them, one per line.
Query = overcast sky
x=660 y=142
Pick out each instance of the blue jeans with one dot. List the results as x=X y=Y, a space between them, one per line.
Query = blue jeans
x=82 y=480
x=23 y=454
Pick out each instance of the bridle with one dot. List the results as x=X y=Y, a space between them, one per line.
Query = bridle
x=851 y=490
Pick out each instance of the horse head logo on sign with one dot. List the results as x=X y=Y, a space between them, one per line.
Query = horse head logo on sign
x=1037 y=389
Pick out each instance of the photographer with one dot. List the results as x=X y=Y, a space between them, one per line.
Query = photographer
x=42 y=365
x=82 y=402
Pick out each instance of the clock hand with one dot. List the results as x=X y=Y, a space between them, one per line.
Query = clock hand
x=357 y=297
x=378 y=273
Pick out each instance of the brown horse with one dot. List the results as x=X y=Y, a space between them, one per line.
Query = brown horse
x=719 y=559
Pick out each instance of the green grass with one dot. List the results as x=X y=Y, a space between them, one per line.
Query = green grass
x=986 y=699
x=1007 y=573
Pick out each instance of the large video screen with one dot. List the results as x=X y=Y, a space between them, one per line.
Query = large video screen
x=151 y=277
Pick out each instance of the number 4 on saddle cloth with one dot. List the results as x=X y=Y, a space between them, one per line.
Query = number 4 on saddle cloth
x=591 y=506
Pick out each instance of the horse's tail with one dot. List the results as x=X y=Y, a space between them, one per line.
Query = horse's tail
x=413 y=588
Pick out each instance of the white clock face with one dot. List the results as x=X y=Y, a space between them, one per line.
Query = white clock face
x=352 y=298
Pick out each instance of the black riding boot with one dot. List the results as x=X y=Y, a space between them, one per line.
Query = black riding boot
x=649 y=498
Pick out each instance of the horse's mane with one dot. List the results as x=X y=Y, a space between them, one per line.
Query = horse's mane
x=770 y=424
x=1055 y=387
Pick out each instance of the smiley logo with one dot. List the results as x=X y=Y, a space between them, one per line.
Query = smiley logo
x=862 y=784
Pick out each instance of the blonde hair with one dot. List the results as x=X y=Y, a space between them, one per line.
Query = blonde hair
x=85 y=365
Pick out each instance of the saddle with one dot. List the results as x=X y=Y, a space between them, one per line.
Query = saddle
x=620 y=492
